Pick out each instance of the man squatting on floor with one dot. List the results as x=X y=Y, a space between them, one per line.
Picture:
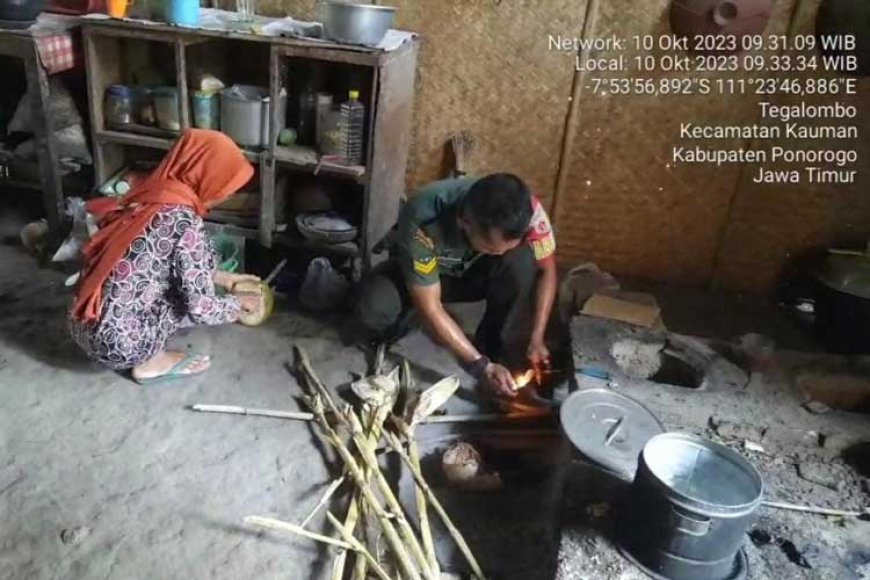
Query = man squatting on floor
x=464 y=240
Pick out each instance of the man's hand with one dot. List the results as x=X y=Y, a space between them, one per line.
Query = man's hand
x=538 y=354
x=500 y=380
x=227 y=280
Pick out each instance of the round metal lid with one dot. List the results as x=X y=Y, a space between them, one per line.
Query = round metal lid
x=608 y=428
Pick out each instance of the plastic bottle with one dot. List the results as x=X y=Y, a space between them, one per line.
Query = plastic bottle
x=353 y=114
x=324 y=107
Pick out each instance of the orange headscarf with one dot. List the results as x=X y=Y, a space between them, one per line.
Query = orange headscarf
x=202 y=168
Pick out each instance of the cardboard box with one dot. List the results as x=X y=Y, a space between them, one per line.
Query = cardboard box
x=632 y=307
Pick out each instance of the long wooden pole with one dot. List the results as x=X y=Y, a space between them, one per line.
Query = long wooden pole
x=572 y=118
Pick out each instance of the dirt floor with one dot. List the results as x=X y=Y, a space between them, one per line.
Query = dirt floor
x=101 y=478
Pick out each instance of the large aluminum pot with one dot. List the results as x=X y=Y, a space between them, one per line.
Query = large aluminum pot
x=350 y=23
x=691 y=503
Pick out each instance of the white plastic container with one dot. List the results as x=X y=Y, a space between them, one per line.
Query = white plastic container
x=245 y=114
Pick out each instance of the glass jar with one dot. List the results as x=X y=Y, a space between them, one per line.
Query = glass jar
x=118 y=105
x=329 y=132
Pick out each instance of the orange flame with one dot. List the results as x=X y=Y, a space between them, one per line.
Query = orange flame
x=524 y=379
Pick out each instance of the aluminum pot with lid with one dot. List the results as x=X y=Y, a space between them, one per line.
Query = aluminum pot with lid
x=690 y=506
x=691 y=500
x=351 y=23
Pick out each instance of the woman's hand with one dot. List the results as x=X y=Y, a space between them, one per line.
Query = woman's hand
x=227 y=280
x=250 y=303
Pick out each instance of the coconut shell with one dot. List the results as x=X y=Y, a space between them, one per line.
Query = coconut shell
x=267 y=301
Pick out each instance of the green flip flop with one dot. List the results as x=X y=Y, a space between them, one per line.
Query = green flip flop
x=177 y=371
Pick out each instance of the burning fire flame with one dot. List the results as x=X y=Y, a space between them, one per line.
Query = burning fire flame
x=524 y=379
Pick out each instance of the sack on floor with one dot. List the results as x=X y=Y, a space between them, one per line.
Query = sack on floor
x=323 y=288
x=84 y=226
x=61 y=107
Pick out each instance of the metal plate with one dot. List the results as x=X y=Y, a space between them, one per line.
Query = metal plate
x=608 y=428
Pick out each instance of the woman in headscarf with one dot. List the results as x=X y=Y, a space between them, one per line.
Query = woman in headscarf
x=151 y=267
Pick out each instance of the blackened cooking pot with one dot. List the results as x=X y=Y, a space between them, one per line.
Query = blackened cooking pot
x=689 y=508
x=20 y=12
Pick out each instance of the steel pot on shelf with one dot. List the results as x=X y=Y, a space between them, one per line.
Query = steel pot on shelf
x=365 y=24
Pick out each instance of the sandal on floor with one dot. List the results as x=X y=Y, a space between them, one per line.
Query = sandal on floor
x=177 y=370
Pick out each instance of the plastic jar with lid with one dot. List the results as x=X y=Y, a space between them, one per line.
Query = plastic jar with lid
x=119 y=105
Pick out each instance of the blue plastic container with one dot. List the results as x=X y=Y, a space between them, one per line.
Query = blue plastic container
x=206 y=110
x=183 y=12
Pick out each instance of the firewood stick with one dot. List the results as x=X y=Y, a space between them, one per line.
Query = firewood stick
x=436 y=505
x=350 y=539
x=355 y=511
x=315 y=402
x=368 y=455
x=477 y=418
x=815 y=510
x=234 y=410
x=419 y=495
x=376 y=418
x=274 y=524
x=423 y=511
x=330 y=491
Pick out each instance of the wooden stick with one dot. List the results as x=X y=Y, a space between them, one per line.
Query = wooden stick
x=330 y=491
x=370 y=459
x=478 y=418
x=316 y=401
x=275 y=271
x=376 y=418
x=348 y=537
x=419 y=495
x=436 y=505
x=274 y=524
x=234 y=410
x=572 y=119
x=815 y=510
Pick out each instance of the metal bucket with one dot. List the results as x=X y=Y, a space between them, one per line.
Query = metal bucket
x=690 y=505
x=245 y=114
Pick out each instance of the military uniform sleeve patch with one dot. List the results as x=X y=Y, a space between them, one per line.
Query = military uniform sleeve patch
x=544 y=248
x=424 y=239
x=425 y=266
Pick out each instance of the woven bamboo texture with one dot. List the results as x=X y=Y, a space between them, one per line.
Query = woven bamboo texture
x=484 y=66
x=628 y=207
x=772 y=225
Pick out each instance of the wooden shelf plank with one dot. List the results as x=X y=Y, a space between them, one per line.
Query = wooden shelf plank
x=166 y=33
x=134 y=139
x=138 y=140
x=307 y=158
x=293 y=240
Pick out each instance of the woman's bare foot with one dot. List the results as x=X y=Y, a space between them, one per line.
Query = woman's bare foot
x=162 y=363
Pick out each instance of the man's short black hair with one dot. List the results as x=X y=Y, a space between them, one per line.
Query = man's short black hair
x=500 y=201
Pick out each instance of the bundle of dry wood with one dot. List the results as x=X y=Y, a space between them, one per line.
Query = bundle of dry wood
x=377 y=530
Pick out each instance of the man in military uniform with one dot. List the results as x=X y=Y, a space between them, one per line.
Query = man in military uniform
x=464 y=240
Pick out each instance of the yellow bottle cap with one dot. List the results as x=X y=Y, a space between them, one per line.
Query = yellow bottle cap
x=354 y=95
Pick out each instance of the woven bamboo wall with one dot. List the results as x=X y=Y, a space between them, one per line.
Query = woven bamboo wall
x=484 y=66
x=772 y=224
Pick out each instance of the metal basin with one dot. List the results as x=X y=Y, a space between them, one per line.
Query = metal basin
x=349 y=23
